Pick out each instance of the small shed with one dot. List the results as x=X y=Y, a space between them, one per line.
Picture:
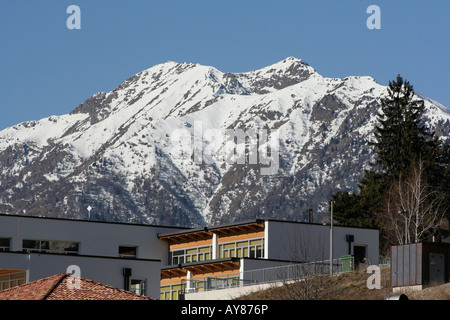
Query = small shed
x=420 y=264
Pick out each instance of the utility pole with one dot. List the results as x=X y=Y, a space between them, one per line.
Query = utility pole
x=310 y=216
x=331 y=240
x=406 y=228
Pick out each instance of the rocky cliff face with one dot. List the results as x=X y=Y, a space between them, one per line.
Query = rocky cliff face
x=159 y=148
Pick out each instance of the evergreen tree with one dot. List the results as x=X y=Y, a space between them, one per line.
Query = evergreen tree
x=401 y=137
x=443 y=181
x=346 y=208
x=401 y=140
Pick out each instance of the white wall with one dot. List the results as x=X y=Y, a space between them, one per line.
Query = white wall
x=262 y=270
x=98 y=256
x=100 y=269
x=229 y=293
x=311 y=242
x=96 y=238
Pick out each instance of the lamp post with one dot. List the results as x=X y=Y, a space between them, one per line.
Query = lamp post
x=331 y=240
x=89 y=208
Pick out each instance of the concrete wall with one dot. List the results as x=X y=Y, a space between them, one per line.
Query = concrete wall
x=100 y=269
x=98 y=255
x=95 y=238
x=311 y=242
x=104 y=270
x=229 y=293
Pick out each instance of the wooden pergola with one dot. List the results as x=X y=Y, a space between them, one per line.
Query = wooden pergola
x=201 y=268
x=207 y=233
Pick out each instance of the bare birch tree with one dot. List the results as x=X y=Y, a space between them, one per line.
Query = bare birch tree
x=413 y=209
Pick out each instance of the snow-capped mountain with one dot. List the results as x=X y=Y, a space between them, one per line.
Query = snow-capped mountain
x=155 y=149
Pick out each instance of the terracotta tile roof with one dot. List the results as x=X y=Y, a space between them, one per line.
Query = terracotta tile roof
x=56 y=288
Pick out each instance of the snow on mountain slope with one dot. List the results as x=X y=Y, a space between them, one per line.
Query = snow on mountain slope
x=121 y=152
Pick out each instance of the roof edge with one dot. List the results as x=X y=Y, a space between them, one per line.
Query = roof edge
x=63 y=276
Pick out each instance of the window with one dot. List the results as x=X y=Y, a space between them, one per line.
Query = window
x=204 y=253
x=164 y=293
x=50 y=246
x=67 y=247
x=33 y=245
x=253 y=248
x=5 y=244
x=190 y=255
x=127 y=251
x=172 y=292
x=176 y=257
x=12 y=279
x=138 y=286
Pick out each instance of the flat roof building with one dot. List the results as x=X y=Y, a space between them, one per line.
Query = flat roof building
x=121 y=255
x=254 y=251
x=170 y=262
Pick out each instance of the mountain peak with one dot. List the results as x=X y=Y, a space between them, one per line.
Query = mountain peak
x=279 y=75
x=292 y=59
x=290 y=63
x=117 y=151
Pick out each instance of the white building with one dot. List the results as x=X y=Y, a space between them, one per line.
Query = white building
x=122 y=255
x=162 y=262
x=251 y=252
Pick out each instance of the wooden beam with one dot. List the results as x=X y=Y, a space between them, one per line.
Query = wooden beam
x=172 y=273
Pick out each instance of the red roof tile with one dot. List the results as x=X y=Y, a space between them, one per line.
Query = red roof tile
x=57 y=287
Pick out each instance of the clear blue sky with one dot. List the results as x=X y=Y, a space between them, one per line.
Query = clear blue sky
x=47 y=69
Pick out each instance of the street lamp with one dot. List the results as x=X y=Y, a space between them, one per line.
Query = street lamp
x=89 y=208
x=331 y=239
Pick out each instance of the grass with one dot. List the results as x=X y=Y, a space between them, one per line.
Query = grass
x=436 y=292
x=350 y=286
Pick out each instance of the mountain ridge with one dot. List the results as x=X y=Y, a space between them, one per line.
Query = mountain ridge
x=116 y=151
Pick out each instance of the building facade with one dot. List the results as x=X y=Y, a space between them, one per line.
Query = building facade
x=170 y=262
x=417 y=265
x=255 y=251
x=126 y=256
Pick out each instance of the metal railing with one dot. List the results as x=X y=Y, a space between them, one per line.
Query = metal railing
x=290 y=272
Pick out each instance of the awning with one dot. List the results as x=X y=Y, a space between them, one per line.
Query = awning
x=207 y=233
x=200 y=267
